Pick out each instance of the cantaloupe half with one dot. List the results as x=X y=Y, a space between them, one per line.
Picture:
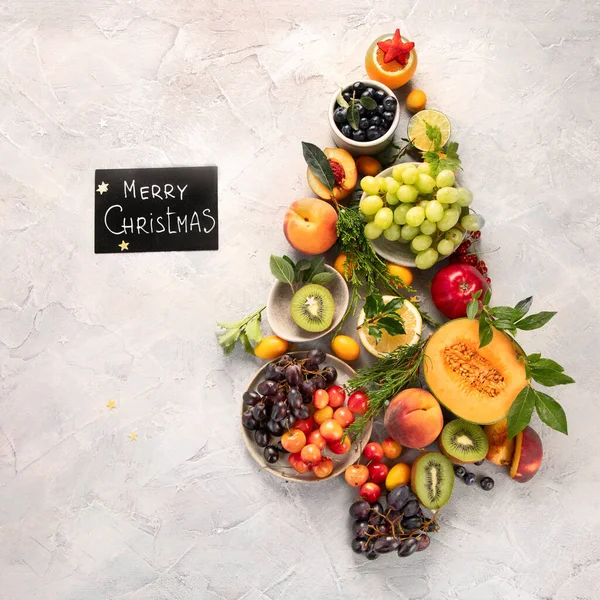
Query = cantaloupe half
x=476 y=384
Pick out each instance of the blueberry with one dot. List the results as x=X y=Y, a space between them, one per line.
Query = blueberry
x=379 y=96
x=347 y=130
x=359 y=136
x=369 y=92
x=469 y=478
x=380 y=110
x=358 y=87
x=389 y=103
x=347 y=96
x=376 y=120
x=364 y=124
x=339 y=115
x=373 y=133
x=479 y=462
x=460 y=471
x=361 y=109
x=486 y=483
x=388 y=116
x=370 y=113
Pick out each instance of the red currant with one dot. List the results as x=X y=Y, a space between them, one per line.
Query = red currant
x=462 y=250
x=488 y=280
x=476 y=235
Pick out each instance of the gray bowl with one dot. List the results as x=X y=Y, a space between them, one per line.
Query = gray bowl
x=398 y=252
x=280 y=319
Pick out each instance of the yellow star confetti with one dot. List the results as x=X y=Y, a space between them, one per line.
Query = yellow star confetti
x=124 y=245
x=111 y=404
x=133 y=436
x=414 y=298
x=103 y=187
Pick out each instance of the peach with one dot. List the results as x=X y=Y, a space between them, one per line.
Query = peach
x=414 y=418
x=344 y=172
x=501 y=449
x=309 y=225
x=528 y=455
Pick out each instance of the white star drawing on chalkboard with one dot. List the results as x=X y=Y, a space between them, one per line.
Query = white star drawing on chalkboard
x=102 y=123
x=103 y=187
x=124 y=245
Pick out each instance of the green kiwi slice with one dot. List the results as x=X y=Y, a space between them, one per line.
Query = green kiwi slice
x=463 y=442
x=432 y=479
x=312 y=307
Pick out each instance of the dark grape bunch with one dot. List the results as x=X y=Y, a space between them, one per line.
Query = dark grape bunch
x=401 y=527
x=372 y=123
x=282 y=397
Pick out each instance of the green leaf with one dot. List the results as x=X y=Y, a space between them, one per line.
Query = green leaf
x=534 y=321
x=534 y=357
x=323 y=278
x=232 y=325
x=485 y=331
x=452 y=150
x=229 y=338
x=302 y=266
x=472 y=309
x=342 y=101
x=281 y=269
x=520 y=412
x=505 y=313
x=393 y=305
x=253 y=330
x=476 y=295
x=373 y=305
x=549 y=377
x=288 y=259
x=544 y=363
x=551 y=412
x=393 y=325
x=368 y=103
x=524 y=305
x=503 y=324
x=246 y=342
x=317 y=265
x=228 y=349
x=353 y=116
x=487 y=296
x=375 y=332
x=434 y=134
x=318 y=163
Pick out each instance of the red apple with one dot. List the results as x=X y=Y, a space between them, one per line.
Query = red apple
x=453 y=286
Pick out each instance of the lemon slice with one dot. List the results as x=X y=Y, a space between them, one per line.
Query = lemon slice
x=417 y=132
x=413 y=324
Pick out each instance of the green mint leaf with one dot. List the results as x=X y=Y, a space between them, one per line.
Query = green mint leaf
x=368 y=103
x=288 y=259
x=353 y=116
x=505 y=313
x=452 y=150
x=316 y=265
x=434 y=134
x=232 y=325
x=342 y=101
x=394 y=326
x=318 y=163
x=534 y=321
x=393 y=305
x=472 y=309
x=487 y=296
x=551 y=412
x=520 y=412
x=534 y=357
x=281 y=269
x=229 y=338
x=485 y=331
x=246 y=342
x=503 y=324
x=252 y=331
x=524 y=305
x=375 y=332
x=323 y=278
x=434 y=160
x=300 y=270
x=476 y=295
x=453 y=164
x=544 y=363
x=549 y=377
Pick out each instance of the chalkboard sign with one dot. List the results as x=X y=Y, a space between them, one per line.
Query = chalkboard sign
x=156 y=210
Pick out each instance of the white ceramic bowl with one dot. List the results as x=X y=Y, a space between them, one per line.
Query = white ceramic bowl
x=280 y=319
x=282 y=467
x=362 y=148
x=398 y=252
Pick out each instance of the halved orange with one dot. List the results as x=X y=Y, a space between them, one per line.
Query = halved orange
x=392 y=74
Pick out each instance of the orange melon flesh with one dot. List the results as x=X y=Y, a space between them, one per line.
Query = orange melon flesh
x=476 y=384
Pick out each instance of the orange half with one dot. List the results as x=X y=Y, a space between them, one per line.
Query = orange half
x=392 y=74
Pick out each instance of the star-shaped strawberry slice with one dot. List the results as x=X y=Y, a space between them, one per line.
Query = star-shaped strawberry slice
x=396 y=49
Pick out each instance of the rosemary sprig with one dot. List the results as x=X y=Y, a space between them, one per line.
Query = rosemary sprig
x=386 y=378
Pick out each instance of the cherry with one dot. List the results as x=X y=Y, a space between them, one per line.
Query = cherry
x=331 y=430
x=305 y=425
x=320 y=399
x=297 y=463
x=315 y=437
x=311 y=454
x=343 y=416
x=377 y=471
x=340 y=447
x=373 y=451
x=337 y=396
x=356 y=475
x=358 y=402
x=370 y=492
x=323 y=469
x=293 y=440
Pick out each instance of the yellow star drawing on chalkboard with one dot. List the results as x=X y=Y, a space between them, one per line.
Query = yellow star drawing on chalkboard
x=103 y=187
x=124 y=245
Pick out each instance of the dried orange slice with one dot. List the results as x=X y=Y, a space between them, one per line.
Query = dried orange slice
x=393 y=73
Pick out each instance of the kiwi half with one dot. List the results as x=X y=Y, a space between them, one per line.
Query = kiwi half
x=432 y=479
x=312 y=307
x=463 y=442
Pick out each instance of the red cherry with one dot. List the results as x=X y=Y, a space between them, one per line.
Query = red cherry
x=337 y=396
x=378 y=472
x=370 y=492
x=373 y=451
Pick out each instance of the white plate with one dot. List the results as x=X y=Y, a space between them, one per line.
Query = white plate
x=397 y=252
x=282 y=467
